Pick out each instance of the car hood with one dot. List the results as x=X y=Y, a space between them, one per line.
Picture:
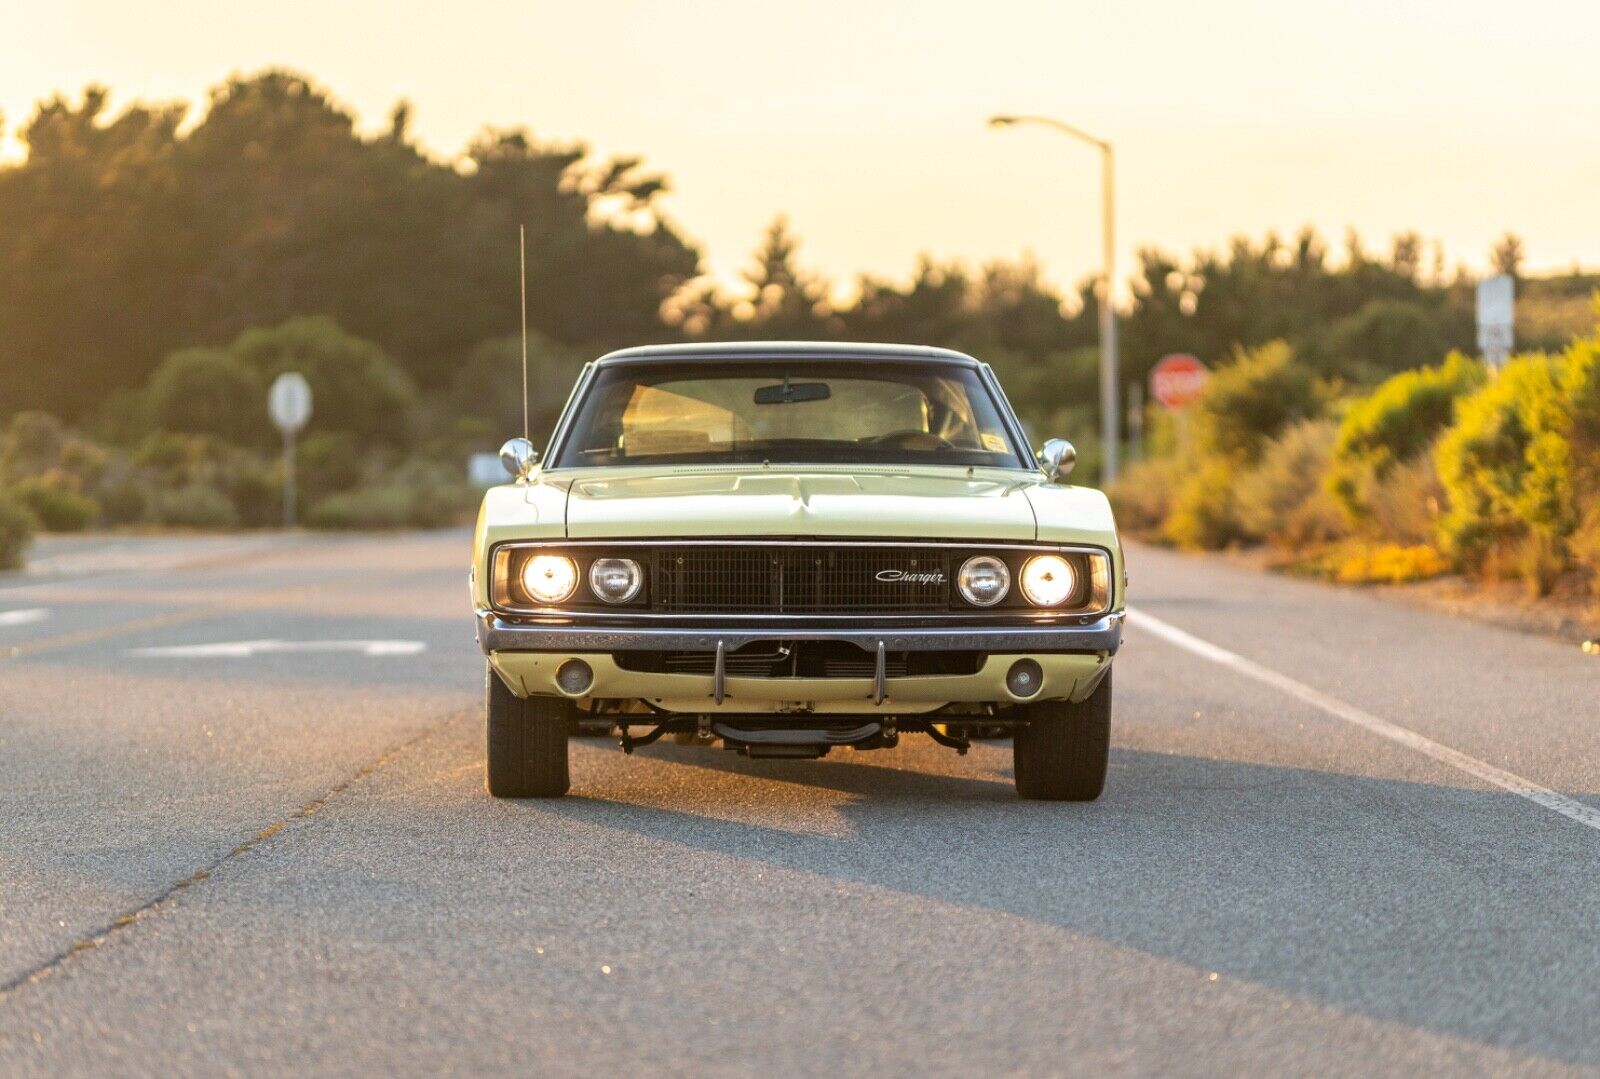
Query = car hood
x=923 y=504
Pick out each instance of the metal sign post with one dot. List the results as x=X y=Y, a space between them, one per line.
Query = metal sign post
x=289 y=405
x=1497 y=318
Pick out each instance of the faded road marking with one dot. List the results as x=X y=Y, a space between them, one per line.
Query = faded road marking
x=1522 y=788
x=24 y=617
x=246 y=649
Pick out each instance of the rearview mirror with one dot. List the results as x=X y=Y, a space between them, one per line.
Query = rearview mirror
x=518 y=457
x=1057 y=458
x=790 y=392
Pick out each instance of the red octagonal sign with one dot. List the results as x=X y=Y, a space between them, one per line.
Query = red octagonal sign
x=1177 y=380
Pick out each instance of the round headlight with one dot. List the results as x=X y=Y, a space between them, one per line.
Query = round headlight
x=615 y=580
x=983 y=580
x=550 y=578
x=1048 y=580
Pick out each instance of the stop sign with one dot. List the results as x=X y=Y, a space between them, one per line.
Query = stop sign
x=1177 y=380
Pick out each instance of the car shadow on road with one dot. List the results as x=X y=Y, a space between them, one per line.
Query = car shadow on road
x=1450 y=909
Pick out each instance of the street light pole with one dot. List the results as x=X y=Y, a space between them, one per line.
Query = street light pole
x=1110 y=418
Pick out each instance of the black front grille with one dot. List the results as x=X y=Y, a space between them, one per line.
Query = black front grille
x=795 y=580
x=801 y=659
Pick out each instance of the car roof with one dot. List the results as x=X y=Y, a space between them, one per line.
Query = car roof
x=756 y=351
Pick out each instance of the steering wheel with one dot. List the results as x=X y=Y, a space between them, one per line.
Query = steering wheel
x=911 y=439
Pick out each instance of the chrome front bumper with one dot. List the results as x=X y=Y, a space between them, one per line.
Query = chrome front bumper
x=497 y=634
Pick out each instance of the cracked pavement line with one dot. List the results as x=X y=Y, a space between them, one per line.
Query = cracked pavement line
x=93 y=939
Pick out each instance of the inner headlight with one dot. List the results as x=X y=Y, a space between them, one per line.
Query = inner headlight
x=615 y=580
x=550 y=578
x=983 y=580
x=1048 y=580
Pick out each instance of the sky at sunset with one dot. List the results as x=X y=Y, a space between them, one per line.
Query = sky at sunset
x=865 y=122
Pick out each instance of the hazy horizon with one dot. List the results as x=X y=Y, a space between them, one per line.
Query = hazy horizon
x=1453 y=121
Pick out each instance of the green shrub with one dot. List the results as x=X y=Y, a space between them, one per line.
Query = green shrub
x=1584 y=545
x=1397 y=422
x=1250 y=400
x=17 y=525
x=1382 y=337
x=328 y=462
x=1405 y=505
x=1580 y=384
x=54 y=504
x=32 y=445
x=1283 y=499
x=196 y=505
x=1144 y=494
x=393 y=505
x=1203 y=514
x=125 y=499
x=209 y=392
x=355 y=385
x=1506 y=467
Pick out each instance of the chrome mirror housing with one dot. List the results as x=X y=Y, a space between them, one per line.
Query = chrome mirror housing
x=1057 y=458
x=518 y=457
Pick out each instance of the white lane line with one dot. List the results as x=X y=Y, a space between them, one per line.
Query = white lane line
x=1523 y=788
x=25 y=617
x=246 y=649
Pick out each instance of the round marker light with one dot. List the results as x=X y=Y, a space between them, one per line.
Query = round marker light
x=983 y=580
x=1048 y=580
x=574 y=677
x=615 y=580
x=550 y=578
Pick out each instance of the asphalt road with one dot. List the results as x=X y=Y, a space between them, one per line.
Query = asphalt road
x=279 y=858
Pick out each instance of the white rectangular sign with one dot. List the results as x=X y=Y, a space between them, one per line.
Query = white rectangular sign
x=1496 y=317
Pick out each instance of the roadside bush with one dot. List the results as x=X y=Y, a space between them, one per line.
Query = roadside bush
x=1203 y=514
x=1506 y=467
x=1251 y=399
x=1283 y=499
x=371 y=507
x=210 y=392
x=1397 y=422
x=1584 y=545
x=33 y=444
x=1405 y=505
x=389 y=506
x=1144 y=494
x=196 y=505
x=54 y=504
x=124 y=499
x=1382 y=337
x=356 y=386
x=17 y=525
x=1389 y=563
x=328 y=462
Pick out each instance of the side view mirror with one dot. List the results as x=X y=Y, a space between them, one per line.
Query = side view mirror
x=518 y=457
x=1057 y=458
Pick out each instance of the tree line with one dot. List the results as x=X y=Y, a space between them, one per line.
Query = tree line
x=126 y=237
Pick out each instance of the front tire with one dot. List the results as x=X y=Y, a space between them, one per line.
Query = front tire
x=527 y=743
x=1061 y=754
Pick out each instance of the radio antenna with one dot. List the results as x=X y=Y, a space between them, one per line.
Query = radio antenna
x=522 y=257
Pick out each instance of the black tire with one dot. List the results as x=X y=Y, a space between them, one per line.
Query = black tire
x=1060 y=755
x=527 y=743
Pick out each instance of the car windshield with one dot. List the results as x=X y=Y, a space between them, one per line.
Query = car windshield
x=791 y=412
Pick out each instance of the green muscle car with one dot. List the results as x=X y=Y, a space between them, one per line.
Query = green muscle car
x=788 y=547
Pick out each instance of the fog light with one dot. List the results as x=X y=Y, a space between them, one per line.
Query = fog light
x=1025 y=678
x=574 y=677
